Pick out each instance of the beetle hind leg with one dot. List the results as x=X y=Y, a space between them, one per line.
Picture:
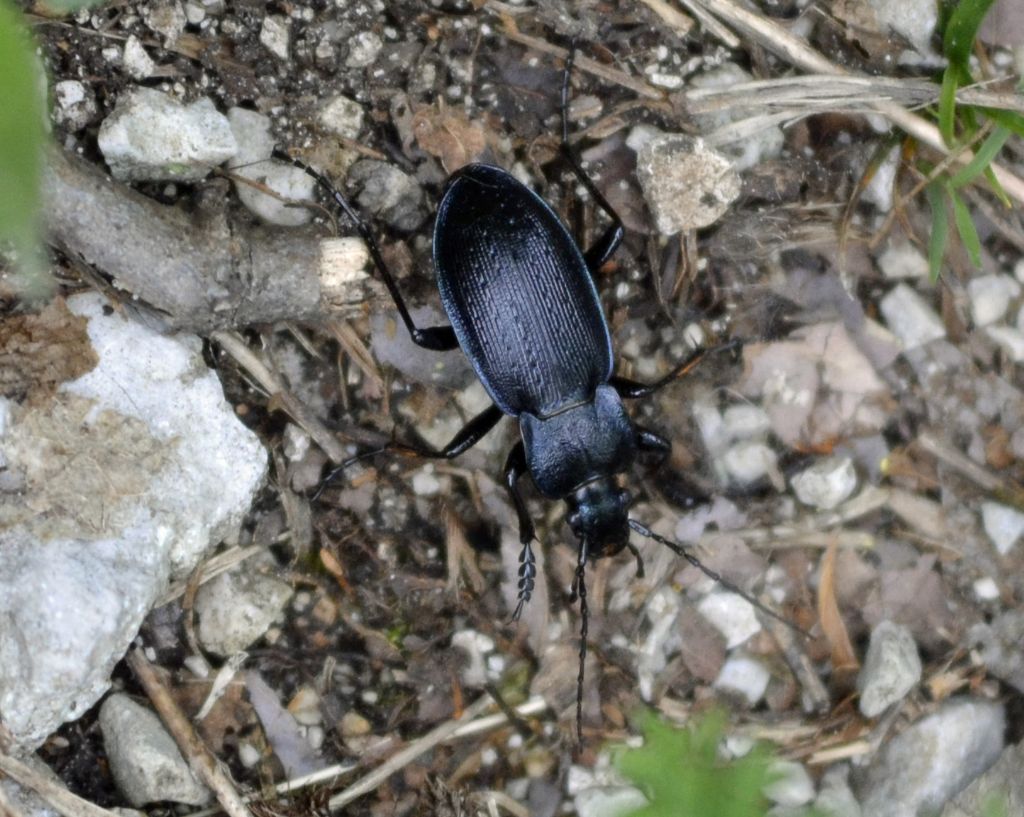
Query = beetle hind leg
x=605 y=246
x=436 y=338
x=515 y=468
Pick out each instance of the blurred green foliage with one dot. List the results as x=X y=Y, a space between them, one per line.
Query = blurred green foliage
x=22 y=137
x=682 y=775
x=962 y=124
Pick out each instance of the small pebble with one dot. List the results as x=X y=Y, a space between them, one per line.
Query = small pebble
x=354 y=725
x=74 y=104
x=792 y=785
x=749 y=461
x=275 y=35
x=826 y=483
x=363 y=50
x=342 y=117
x=910 y=318
x=990 y=297
x=1003 y=524
x=746 y=422
x=986 y=589
x=731 y=615
x=1010 y=340
x=743 y=676
x=901 y=259
x=248 y=755
x=891 y=669
x=136 y=59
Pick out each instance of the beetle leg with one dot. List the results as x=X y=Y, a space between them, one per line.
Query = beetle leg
x=437 y=338
x=639 y=559
x=469 y=435
x=606 y=245
x=647 y=442
x=632 y=389
x=515 y=467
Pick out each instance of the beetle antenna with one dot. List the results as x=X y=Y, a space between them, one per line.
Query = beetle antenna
x=579 y=591
x=682 y=550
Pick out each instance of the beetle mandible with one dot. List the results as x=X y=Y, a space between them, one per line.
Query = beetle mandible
x=524 y=307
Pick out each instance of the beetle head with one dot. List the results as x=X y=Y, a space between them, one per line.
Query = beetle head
x=598 y=514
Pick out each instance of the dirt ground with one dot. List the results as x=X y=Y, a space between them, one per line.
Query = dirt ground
x=399 y=556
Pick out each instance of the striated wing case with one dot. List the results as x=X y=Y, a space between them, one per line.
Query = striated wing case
x=518 y=293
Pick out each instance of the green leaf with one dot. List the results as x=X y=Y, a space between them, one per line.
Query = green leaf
x=682 y=775
x=965 y=227
x=983 y=157
x=962 y=29
x=22 y=137
x=939 y=238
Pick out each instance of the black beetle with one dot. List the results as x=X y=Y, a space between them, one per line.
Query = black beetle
x=524 y=307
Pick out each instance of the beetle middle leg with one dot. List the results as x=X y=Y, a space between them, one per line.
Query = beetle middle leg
x=602 y=249
x=437 y=338
x=633 y=389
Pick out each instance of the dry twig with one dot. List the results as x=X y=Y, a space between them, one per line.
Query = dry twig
x=200 y=760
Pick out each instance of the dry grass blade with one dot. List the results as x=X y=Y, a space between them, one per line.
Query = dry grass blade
x=670 y=15
x=844 y=659
x=781 y=42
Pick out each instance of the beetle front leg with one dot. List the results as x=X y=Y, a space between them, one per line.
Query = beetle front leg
x=515 y=468
x=605 y=246
x=437 y=338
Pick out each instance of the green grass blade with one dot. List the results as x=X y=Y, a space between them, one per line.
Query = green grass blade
x=983 y=157
x=965 y=227
x=997 y=188
x=947 y=105
x=1011 y=120
x=962 y=29
x=22 y=136
x=939 y=238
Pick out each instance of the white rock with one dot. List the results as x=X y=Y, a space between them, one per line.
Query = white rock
x=136 y=60
x=609 y=801
x=476 y=646
x=237 y=608
x=901 y=259
x=914 y=20
x=826 y=483
x=731 y=615
x=425 y=482
x=144 y=760
x=151 y=137
x=1010 y=340
x=891 y=669
x=990 y=297
x=195 y=13
x=920 y=769
x=275 y=35
x=132 y=473
x=749 y=461
x=912 y=320
x=1003 y=524
x=255 y=142
x=746 y=422
x=743 y=676
x=342 y=117
x=792 y=785
x=165 y=18
x=248 y=755
x=75 y=104
x=986 y=589
x=686 y=184
x=363 y=50
x=879 y=189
